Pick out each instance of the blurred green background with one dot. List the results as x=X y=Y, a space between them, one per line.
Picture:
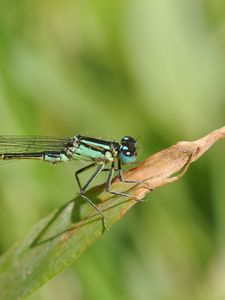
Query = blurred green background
x=152 y=69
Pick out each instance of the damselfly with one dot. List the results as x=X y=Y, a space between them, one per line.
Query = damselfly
x=54 y=150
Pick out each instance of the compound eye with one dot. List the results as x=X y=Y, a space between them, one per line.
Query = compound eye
x=127 y=155
x=128 y=139
x=126 y=151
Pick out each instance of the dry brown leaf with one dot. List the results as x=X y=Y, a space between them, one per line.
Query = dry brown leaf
x=158 y=169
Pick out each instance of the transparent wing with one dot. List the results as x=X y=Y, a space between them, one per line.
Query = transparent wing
x=29 y=144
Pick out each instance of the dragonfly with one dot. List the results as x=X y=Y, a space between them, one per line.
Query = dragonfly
x=96 y=152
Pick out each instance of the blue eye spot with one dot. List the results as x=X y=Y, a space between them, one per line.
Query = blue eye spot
x=125 y=148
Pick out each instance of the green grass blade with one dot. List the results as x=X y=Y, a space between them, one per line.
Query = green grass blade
x=54 y=243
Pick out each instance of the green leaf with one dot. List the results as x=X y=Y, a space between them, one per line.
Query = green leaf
x=60 y=238
x=56 y=241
